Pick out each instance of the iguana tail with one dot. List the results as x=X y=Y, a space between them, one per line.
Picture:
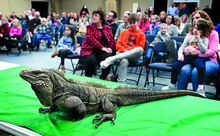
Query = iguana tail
x=135 y=96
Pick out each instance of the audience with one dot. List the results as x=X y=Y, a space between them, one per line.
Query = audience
x=198 y=39
x=123 y=26
x=130 y=46
x=42 y=32
x=66 y=46
x=99 y=44
x=4 y=34
x=111 y=18
x=172 y=29
x=154 y=25
x=144 y=23
x=189 y=73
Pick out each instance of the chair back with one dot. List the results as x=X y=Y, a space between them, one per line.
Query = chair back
x=179 y=39
x=150 y=38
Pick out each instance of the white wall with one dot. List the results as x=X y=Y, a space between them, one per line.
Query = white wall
x=7 y=6
x=76 y=5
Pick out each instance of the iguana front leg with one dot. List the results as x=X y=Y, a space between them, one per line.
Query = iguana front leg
x=109 y=103
x=48 y=109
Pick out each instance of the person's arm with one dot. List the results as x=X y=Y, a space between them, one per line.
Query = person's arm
x=119 y=45
x=156 y=40
x=202 y=44
x=212 y=46
x=60 y=43
x=90 y=37
x=184 y=44
x=142 y=41
x=118 y=33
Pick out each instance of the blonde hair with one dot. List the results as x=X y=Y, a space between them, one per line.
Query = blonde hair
x=17 y=22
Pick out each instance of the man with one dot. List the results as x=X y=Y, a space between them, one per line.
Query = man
x=111 y=18
x=130 y=46
x=124 y=25
x=33 y=23
x=172 y=10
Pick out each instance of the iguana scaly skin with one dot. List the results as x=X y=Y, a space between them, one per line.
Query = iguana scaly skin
x=78 y=99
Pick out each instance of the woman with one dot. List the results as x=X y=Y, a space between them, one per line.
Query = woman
x=172 y=29
x=189 y=73
x=144 y=23
x=98 y=44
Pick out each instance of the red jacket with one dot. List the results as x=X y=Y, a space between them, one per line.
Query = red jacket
x=5 y=29
x=93 y=39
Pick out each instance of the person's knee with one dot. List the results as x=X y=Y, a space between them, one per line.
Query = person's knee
x=90 y=61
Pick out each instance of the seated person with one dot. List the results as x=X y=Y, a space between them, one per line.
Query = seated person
x=16 y=31
x=66 y=46
x=130 y=46
x=98 y=44
x=163 y=36
x=42 y=32
x=82 y=26
x=4 y=33
x=154 y=25
x=199 y=40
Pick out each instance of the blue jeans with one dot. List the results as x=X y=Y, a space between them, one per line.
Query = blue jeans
x=198 y=62
x=40 y=36
x=189 y=73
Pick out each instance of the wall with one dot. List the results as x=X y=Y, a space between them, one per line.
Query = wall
x=125 y=5
x=76 y=5
x=7 y=6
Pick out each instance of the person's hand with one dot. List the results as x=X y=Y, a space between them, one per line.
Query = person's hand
x=193 y=51
x=181 y=58
x=65 y=47
x=109 y=50
x=198 y=34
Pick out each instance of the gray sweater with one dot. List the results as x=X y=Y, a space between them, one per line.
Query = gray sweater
x=160 y=38
x=202 y=43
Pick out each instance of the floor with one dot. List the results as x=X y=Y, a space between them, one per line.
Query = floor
x=42 y=59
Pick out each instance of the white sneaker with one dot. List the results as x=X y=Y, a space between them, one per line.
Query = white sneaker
x=201 y=92
x=105 y=63
x=169 y=87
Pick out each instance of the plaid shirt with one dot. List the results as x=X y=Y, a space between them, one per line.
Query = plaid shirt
x=43 y=29
x=93 y=39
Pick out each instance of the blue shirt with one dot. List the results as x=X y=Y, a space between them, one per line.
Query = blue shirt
x=65 y=40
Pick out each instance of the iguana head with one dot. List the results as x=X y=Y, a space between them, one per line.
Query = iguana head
x=42 y=82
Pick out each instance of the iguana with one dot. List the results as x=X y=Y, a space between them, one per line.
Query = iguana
x=78 y=99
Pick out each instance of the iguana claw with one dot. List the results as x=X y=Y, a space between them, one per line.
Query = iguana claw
x=44 y=110
x=103 y=118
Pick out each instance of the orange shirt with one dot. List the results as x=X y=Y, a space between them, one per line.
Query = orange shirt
x=129 y=39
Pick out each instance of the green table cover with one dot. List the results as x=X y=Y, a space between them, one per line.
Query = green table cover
x=181 y=116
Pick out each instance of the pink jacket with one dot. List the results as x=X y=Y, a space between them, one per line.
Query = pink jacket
x=144 y=26
x=15 y=31
x=212 y=46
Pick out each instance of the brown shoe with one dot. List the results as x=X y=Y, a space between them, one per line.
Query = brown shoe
x=63 y=69
x=55 y=53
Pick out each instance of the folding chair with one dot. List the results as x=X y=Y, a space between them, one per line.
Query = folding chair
x=152 y=54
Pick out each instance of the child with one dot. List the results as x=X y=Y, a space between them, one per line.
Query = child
x=66 y=46
x=42 y=31
x=154 y=25
x=162 y=35
x=199 y=40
